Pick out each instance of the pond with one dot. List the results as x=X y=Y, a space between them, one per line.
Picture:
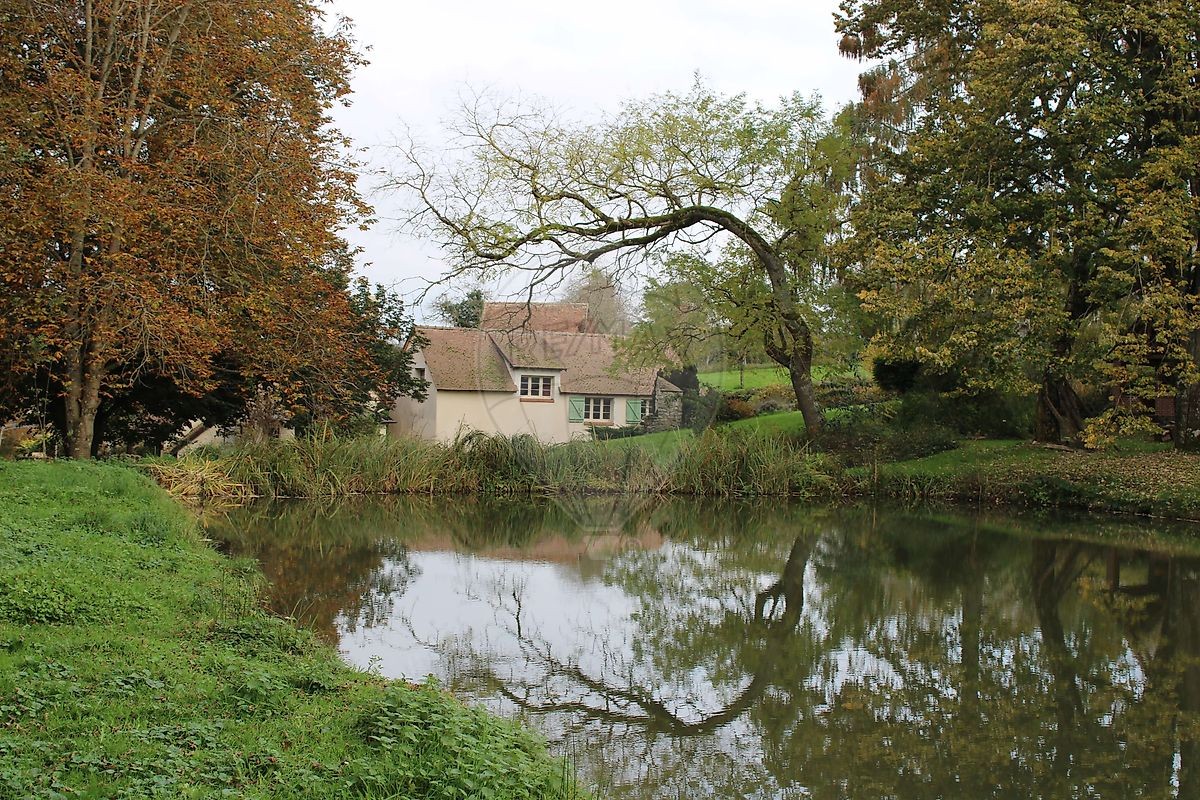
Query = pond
x=687 y=649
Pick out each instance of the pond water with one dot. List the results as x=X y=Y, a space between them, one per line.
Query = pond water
x=689 y=649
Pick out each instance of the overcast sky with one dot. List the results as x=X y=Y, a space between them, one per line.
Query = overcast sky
x=583 y=57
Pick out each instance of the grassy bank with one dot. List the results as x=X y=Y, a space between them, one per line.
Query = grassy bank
x=763 y=456
x=718 y=463
x=135 y=662
x=1134 y=479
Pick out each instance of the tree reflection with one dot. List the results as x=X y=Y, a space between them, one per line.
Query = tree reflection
x=777 y=651
x=877 y=657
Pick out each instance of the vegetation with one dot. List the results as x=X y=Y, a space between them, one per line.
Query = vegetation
x=1036 y=224
x=526 y=192
x=173 y=192
x=733 y=463
x=135 y=662
x=1135 y=480
x=862 y=451
x=465 y=311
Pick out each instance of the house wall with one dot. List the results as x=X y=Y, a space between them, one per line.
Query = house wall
x=583 y=429
x=500 y=412
x=412 y=417
x=445 y=413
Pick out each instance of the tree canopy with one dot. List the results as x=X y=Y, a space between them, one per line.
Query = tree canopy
x=173 y=189
x=1036 y=219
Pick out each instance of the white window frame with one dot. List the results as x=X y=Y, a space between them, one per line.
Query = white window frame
x=597 y=409
x=544 y=384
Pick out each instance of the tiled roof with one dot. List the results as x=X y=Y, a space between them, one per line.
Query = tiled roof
x=464 y=358
x=588 y=361
x=563 y=317
x=477 y=360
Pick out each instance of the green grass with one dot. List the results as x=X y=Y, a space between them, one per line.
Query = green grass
x=756 y=377
x=1135 y=477
x=135 y=662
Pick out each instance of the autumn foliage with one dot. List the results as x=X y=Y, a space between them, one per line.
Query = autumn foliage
x=172 y=189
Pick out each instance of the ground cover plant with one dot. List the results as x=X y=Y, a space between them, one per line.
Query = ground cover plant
x=135 y=662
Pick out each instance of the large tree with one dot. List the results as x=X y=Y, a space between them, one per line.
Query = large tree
x=1038 y=219
x=172 y=192
x=524 y=191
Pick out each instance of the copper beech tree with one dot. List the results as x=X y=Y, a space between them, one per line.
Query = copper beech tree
x=171 y=194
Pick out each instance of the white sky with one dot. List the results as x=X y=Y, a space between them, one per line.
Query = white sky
x=583 y=57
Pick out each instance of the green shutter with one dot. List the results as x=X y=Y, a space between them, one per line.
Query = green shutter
x=633 y=412
x=575 y=409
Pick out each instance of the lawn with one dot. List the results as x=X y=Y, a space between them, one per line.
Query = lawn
x=135 y=662
x=1134 y=477
x=756 y=377
x=663 y=445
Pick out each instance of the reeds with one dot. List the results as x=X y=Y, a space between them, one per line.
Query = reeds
x=717 y=463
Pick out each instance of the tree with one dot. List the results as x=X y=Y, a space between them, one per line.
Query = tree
x=464 y=312
x=172 y=192
x=697 y=312
x=528 y=193
x=1042 y=216
x=608 y=308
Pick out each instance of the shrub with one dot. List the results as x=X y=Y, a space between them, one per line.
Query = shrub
x=992 y=415
x=860 y=437
x=843 y=391
x=895 y=375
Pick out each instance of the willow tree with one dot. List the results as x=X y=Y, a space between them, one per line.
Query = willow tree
x=520 y=190
x=172 y=190
x=1038 y=218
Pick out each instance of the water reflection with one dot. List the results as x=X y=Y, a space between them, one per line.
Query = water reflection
x=691 y=649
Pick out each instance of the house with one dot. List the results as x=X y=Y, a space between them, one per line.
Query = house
x=555 y=385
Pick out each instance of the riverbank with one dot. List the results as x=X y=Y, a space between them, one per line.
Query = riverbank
x=730 y=461
x=1131 y=480
x=717 y=463
x=135 y=661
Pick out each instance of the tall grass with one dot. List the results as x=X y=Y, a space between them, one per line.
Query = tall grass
x=736 y=463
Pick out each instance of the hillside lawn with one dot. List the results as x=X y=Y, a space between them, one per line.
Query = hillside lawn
x=135 y=661
x=756 y=377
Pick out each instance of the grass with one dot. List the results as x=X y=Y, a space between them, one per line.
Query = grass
x=1136 y=477
x=761 y=456
x=756 y=377
x=735 y=462
x=135 y=662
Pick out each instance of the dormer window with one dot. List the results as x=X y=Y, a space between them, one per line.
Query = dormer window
x=536 y=385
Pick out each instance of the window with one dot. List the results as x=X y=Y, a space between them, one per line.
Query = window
x=536 y=385
x=636 y=411
x=597 y=409
x=420 y=373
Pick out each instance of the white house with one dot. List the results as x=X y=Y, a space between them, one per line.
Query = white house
x=554 y=384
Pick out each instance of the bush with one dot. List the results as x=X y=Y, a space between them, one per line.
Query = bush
x=865 y=436
x=991 y=415
x=895 y=375
x=843 y=391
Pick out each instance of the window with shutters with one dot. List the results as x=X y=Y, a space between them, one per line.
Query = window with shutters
x=636 y=411
x=597 y=409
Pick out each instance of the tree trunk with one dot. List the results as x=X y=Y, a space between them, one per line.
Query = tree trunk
x=795 y=350
x=1187 y=406
x=795 y=355
x=82 y=400
x=1059 y=415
